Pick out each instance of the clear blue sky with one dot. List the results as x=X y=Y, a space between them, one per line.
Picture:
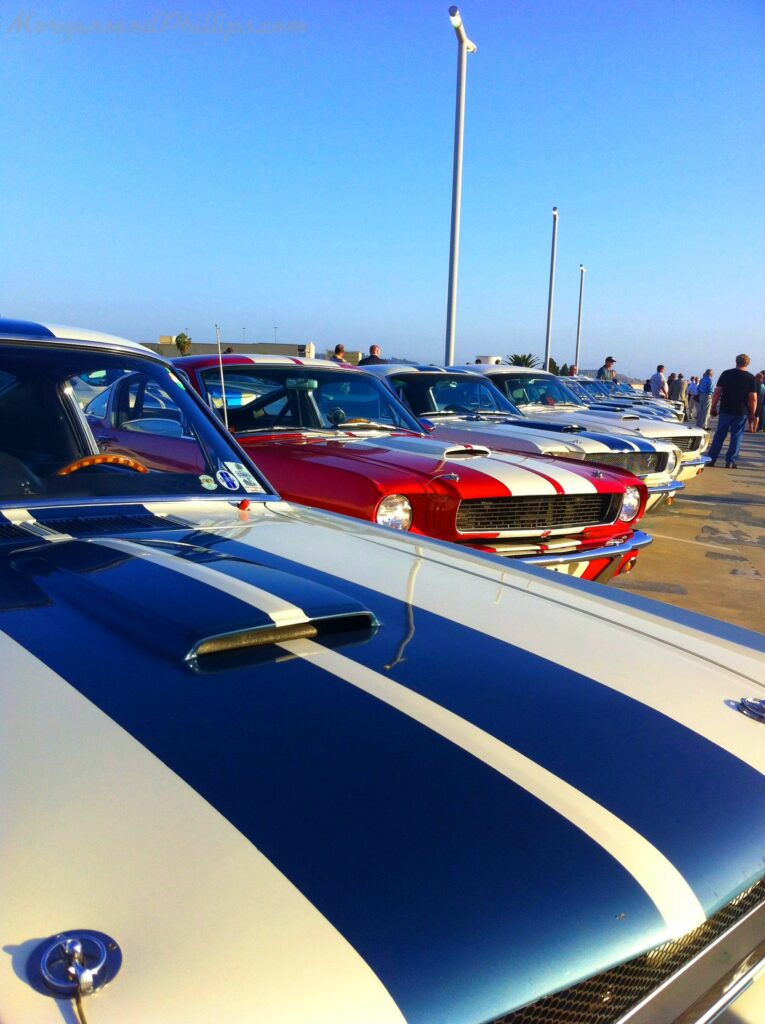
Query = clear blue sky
x=156 y=181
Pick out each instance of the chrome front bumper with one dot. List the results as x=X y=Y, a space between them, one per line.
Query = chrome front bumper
x=612 y=551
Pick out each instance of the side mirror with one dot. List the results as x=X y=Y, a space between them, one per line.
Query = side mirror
x=428 y=426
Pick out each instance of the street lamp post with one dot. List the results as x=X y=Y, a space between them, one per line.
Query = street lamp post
x=553 y=252
x=244 y=329
x=464 y=47
x=579 y=318
x=276 y=332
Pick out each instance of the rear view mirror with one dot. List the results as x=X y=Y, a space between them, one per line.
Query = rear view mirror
x=300 y=384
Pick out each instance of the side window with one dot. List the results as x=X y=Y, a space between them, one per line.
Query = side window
x=98 y=406
x=144 y=407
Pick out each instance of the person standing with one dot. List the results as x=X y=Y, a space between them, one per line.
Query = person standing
x=573 y=370
x=373 y=358
x=759 y=381
x=607 y=371
x=706 y=387
x=693 y=398
x=658 y=383
x=736 y=397
x=339 y=354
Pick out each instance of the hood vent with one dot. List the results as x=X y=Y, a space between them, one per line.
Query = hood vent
x=466 y=453
x=218 y=652
x=101 y=525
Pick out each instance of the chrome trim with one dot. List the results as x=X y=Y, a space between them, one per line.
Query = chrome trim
x=637 y=540
x=668 y=488
x=702 y=460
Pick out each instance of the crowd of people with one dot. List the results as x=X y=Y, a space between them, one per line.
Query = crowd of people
x=736 y=401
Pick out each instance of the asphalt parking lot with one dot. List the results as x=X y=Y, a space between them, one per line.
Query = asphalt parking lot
x=708 y=556
x=708 y=553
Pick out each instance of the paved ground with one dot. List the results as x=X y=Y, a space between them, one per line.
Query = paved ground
x=708 y=555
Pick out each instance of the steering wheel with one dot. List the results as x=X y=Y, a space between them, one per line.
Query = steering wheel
x=102 y=460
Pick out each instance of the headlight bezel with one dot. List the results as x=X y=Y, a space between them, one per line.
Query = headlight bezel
x=673 y=461
x=631 y=502
x=395 y=512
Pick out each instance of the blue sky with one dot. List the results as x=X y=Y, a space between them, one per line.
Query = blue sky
x=301 y=177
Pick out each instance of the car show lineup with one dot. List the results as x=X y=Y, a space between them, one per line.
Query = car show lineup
x=315 y=712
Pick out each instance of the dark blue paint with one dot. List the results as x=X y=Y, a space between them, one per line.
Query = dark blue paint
x=463 y=893
x=632 y=759
x=24 y=329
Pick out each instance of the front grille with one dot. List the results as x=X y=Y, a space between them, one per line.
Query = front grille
x=558 y=511
x=639 y=463
x=606 y=997
x=686 y=442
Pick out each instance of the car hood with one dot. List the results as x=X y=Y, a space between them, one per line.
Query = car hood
x=397 y=460
x=549 y=436
x=626 y=422
x=473 y=796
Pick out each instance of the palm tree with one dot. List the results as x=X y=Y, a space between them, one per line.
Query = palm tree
x=527 y=359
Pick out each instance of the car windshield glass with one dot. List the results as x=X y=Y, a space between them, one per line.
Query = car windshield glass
x=293 y=397
x=82 y=423
x=597 y=388
x=576 y=389
x=434 y=394
x=530 y=389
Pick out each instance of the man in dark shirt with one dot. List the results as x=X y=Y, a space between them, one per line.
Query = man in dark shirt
x=373 y=357
x=736 y=397
x=339 y=355
x=607 y=371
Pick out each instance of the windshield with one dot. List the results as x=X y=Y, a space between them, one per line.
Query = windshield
x=598 y=388
x=82 y=423
x=434 y=394
x=530 y=389
x=266 y=398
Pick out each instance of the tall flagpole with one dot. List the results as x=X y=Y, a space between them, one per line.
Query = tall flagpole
x=464 y=47
x=553 y=253
x=579 y=318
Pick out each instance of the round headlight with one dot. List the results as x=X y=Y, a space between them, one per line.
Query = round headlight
x=395 y=511
x=630 y=504
x=672 y=462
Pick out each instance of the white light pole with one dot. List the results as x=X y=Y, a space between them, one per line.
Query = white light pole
x=553 y=251
x=464 y=47
x=276 y=332
x=243 y=334
x=579 y=318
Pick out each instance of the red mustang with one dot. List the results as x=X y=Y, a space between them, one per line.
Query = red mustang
x=338 y=439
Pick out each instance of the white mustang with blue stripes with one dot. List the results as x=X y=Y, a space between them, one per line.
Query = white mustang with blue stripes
x=265 y=763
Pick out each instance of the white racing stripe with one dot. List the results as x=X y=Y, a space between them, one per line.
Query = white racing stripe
x=281 y=612
x=98 y=833
x=671 y=894
x=674 y=669
x=673 y=897
x=520 y=478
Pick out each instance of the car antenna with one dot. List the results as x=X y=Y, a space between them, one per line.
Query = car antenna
x=222 y=384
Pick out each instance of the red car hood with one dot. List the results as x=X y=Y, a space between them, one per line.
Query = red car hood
x=406 y=460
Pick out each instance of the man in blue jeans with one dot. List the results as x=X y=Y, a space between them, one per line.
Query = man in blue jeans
x=736 y=397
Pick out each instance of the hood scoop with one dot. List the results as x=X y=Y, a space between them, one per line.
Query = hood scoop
x=466 y=452
x=185 y=602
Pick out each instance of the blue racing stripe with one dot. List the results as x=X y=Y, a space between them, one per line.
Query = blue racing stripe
x=465 y=894
x=630 y=758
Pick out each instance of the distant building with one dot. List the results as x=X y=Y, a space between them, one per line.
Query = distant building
x=166 y=347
